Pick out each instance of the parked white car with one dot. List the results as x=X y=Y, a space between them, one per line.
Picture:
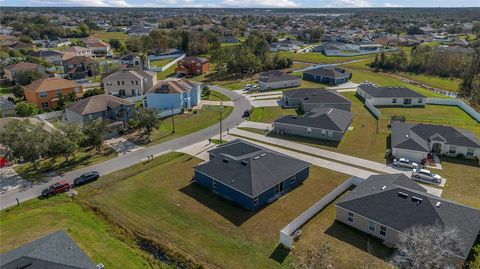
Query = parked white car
x=405 y=163
x=426 y=175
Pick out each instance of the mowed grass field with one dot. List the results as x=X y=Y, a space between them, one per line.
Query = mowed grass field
x=106 y=36
x=159 y=200
x=317 y=57
x=37 y=218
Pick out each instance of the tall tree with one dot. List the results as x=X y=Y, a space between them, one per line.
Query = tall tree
x=26 y=77
x=95 y=132
x=25 y=109
x=145 y=120
x=65 y=141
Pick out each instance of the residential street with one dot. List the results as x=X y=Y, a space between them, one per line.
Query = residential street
x=123 y=161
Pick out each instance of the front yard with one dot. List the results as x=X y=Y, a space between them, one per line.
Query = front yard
x=270 y=114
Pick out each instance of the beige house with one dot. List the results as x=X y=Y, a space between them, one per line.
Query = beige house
x=97 y=46
x=76 y=51
x=127 y=83
x=11 y=71
x=386 y=205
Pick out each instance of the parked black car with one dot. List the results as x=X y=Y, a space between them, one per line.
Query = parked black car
x=246 y=114
x=86 y=178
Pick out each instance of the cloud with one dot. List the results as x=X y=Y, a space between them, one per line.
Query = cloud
x=83 y=3
x=264 y=3
x=353 y=3
x=392 y=5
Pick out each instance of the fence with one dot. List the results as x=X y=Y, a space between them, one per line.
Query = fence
x=286 y=238
x=165 y=67
x=455 y=102
x=372 y=109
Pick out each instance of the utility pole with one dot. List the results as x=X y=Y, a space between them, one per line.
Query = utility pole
x=173 y=121
x=221 y=112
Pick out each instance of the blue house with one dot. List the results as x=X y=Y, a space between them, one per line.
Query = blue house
x=250 y=175
x=173 y=95
x=329 y=75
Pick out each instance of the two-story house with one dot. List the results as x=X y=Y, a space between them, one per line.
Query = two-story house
x=77 y=51
x=79 y=67
x=172 y=96
x=113 y=110
x=13 y=70
x=46 y=92
x=191 y=66
x=126 y=83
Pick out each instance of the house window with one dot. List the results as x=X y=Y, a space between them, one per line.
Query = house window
x=383 y=230
x=324 y=132
x=89 y=116
x=371 y=226
x=118 y=83
x=136 y=82
x=420 y=100
x=131 y=82
x=123 y=82
x=292 y=179
x=470 y=152
x=214 y=184
x=255 y=200
x=394 y=100
x=58 y=92
x=350 y=217
x=329 y=133
x=43 y=94
x=45 y=105
x=309 y=130
x=452 y=149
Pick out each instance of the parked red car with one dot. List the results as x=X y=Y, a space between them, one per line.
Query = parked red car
x=56 y=188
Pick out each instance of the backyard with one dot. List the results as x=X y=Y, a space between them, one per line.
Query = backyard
x=317 y=57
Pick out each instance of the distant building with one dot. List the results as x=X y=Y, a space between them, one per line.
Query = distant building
x=250 y=175
x=46 y=92
x=173 y=96
x=275 y=79
x=80 y=67
x=77 y=51
x=98 y=47
x=128 y=83
x=192 y=66
x=51 y=56
x=286 y=45
x=133 y=60
x=310 y=99
x=329 y=75
x=390 y=96
x=12 y=71
x=56 y=250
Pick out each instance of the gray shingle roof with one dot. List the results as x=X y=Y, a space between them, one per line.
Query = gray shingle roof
x=389 y=92
x=6 y=104
x=54 y=251
x=249 y=168
x=324 y=118
x=317 y=96
x=331 y=72
x=378 y=199
x=275 y=75
x=415 y=136
x=97 y=103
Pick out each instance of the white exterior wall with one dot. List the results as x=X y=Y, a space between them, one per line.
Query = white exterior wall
x=388 y=101
x=279 y=84
x=412 y=155
x=460 y=150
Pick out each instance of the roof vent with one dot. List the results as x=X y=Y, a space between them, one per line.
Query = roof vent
x=438 y=204
x=417 y=200
x=402 y=194
x=263 y=154
x=384 y=187
x=244 y=163
x=256 y=158
x=225 y=160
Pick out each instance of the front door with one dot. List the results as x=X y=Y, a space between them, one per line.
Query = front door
x=121 y=93
x=279 y=188
x=437 y=148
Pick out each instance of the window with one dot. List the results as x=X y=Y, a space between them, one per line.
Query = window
x=324 y=132
x=89 y=116
x=292 y=179
x=420 y=100
x=329 y=133
x=58 y=92
x=350 y=217
x=383 y=230
x=255 y=200
x=123 y=82
x=118 y=83
x=136 y=82
x=45 y=105
x=131 y=82
x=309 y=130
x=43 y=94
x=214 y=184
x=470 y=152
x=394 y=100
x=452 y=149
x=371 y=226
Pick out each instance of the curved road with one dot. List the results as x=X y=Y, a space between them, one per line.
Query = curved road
x=34 y=190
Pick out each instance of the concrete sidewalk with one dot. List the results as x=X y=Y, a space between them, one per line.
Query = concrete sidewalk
x=321 y=152
x=256 y=125
x=216 y=103
x=198 y=150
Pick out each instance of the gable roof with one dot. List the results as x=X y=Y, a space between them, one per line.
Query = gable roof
x=194 y=59
x=317 y=96
x=389 y=92
x=172 y=86
x=249 y=168
x=46 y=53
x=415 y=136
x=399 y=203
x=123 y=75
x=51 y=84
x=97 y=103
x=275 y=75
x=22 y=66
x=6 y=104
x=79 y=60
x=76 y=49
x=331 y=72
x=324 y=118
x=54 y=251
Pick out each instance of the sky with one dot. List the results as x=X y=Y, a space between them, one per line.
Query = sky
x=246 y=3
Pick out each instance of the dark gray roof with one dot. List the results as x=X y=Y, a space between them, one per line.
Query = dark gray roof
x=6 y=104
x=400 y=92
x=378 y=199
x=317 y=96
x=415 y=136
x=323 y=118
x=45 y=53
x=275 y=75
x=249 y=168
x=331 y=72
x=54 y=251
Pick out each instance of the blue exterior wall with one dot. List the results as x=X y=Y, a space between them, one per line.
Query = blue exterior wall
x=163 y=101
x=245 y=200
x=195 y=97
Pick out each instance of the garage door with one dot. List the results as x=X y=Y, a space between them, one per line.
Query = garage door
x=409 y=154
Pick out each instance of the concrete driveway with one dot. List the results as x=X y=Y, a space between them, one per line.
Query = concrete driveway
x=10 y=180
x=122 y=145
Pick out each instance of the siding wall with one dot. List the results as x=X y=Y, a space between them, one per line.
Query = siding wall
x=302 y=131
x=278 y=84
x=163 y=101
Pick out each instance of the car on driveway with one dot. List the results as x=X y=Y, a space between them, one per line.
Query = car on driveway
x=405 y=163
x=86 y=178
x=426 y=175
x=56 y=188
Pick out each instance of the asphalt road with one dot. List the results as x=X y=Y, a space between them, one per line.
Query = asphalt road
x=34 y=190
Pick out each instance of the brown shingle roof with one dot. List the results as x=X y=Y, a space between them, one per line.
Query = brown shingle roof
x=97 y=103
x=51 y=84
x=22 y=66
x=79 y=60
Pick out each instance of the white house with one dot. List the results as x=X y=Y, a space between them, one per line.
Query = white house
x=390 y=96
x=127 y=83
x=277 y=80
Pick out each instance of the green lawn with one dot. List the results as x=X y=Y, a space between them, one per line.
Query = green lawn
x=188 y=123
x=167 y=73
x=37 y=218
x=160 y=63
x=106 y=36
x=159 y=200
x=433 y=114
x=84 y=157
x=317 y=57
x=269 y=114
x=5 y=90
x=449 y=84
x=216 y=96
